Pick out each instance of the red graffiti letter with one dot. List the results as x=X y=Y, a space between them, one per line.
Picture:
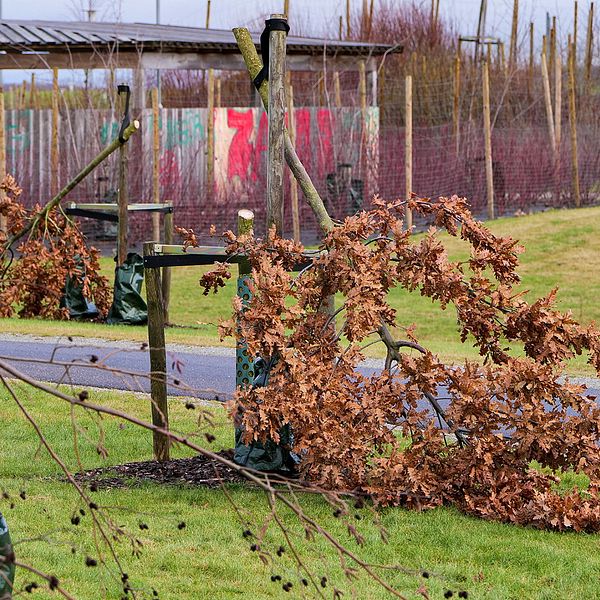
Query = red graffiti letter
x=240 y=150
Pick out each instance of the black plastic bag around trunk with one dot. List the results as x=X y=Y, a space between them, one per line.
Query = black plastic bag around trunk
x=128 y=306
x=7 y=566
x=268 y=456
x=76 y=303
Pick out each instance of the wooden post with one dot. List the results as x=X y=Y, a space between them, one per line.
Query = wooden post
x=487 y=131
x=155 y=164
x=158 y=358
x=218 y=92
x=548 y=103
x=207 y=14
x=54 y=166
x=210 y=134
x=293 y=184
x=166 y=271
x=573 y=127
x=123 y=200
x=276 y=128
x=552 y=58
x=408 y=146
x=588 y=47
x=337 y=90
x=286 y=8
x=33 y=103
x=575 y=18
x=456 y=106
x=3 y=222
x=557 y=101
x=341 y=29
x=370 y=28
x=322 y=87
x=513 y=36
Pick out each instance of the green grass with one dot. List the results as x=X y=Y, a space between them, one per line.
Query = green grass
x=209 y=559
x=562 y=249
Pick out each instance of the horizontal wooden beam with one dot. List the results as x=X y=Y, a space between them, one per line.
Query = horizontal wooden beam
x=113 y=207
x=168 y=60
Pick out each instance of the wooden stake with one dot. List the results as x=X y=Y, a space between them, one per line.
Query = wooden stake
x=322 y=87
x=552 y=60
x=548 y=103
x=158 y=359
x=123 y=200
x=336 y=89
x=588 y=47
x=218 y=92
x=210 y=134
x=286 y=9
x=3 y=222
x=207 y=14
x=557 y=101
x=32 y=93
x=408 y=144
x=54 y=166
x=575 y=18
x=293 y=184
x=341 y=29
x=573 y=127
x=456 y=106
x=277 y=51
x=513 y=35
x=155 y=164
x=370 y=28
x=166 y=271
x=487 y=131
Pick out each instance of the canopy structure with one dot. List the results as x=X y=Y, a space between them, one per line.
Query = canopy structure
x=97 y=45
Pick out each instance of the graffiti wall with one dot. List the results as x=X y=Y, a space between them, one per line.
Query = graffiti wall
x=325 y=138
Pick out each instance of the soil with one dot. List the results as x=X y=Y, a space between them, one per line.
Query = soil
x=196 y=471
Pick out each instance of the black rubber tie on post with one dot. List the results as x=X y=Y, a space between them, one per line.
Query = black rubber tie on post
x=124 y=89
x=270 y=25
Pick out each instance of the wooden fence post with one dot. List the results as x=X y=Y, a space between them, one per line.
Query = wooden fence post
x=573 y=128
x=54 y=164
x=155 y=164
x=166 y=272
x=158 y=358
x=408 y=135
x=276 y=116
x=487 y=131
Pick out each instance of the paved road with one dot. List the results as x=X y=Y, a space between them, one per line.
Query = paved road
x=201 y=372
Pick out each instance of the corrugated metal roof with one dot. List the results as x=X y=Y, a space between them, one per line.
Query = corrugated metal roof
x=43 y=36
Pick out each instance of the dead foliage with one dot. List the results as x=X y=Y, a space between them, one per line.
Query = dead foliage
x=32 y=278
x=511 y=426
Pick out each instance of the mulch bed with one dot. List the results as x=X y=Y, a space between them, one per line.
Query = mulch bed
x=196 y=471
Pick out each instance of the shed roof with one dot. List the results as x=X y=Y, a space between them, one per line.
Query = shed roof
x=25 y=42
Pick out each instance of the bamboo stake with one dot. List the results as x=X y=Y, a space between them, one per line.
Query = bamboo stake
x=348 y=26
x=548 y=103
x=254 y=66
x=557 y=101
x=277 y=49
x=588 y=47
x=54 y=163
x=573 y=128
x=531 y=59
x=456 y=105
x=3 y=221
x=210 y=134
x=513 y=35
x=41 y=215
x=207 y=14
x=293 y=184
x=408 y=146
x=487 y=130
x=155 y=164
x=158 y=359
x=336 y=89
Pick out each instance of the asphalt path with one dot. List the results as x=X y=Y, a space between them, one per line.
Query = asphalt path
x=192 y=371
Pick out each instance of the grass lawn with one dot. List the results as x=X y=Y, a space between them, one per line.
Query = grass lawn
x=210 y=559
x=562 y=249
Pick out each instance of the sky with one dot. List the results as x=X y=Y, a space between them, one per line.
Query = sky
x=316 y=15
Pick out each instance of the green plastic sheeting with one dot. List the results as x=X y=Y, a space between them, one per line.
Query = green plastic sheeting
x=128 y=306
x=75 y=302
x=7 y=567
x=268 y=456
